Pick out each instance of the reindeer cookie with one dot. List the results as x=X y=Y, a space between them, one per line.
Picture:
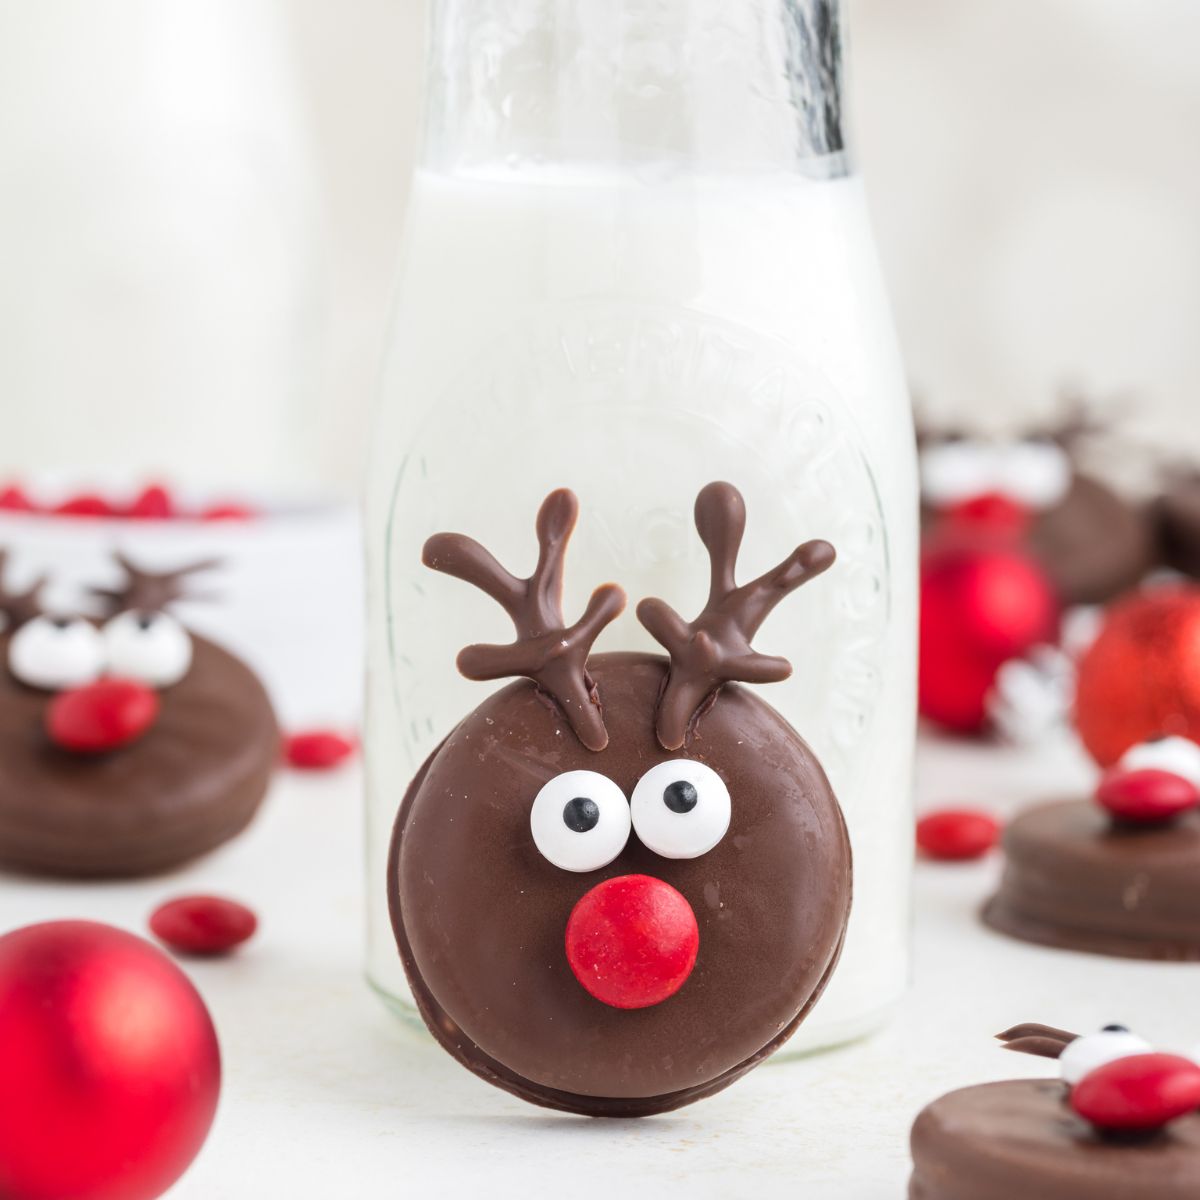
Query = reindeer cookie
x=1092 y=542
x=1117 y=873
x=1119 y=1122
x=623 y=881
x=127 y=745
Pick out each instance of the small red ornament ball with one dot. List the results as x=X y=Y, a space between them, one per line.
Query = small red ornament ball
x=632 y=941
x=203 y=925
x=109 y=1064
x=1139 y=1092
x=101 y=716
x=317 y=749
x=1147 y=796
x=1140 y=678
x=957 y=834
x=980 y=607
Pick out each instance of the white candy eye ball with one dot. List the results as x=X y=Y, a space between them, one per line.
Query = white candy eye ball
x=580 y=821
x=1085 y=1054
x=1036 y=472
x=680 y=809
x=1179 y=755
x=955 y=471
x=150 y=647
x=56 y=652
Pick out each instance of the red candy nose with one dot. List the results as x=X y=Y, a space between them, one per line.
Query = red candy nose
x=1142 y=1091
x=992 y=512
x=100 y=716
x=632 y=941
x=1147 y=795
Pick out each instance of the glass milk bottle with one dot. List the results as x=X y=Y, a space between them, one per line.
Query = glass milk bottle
x=637 y=258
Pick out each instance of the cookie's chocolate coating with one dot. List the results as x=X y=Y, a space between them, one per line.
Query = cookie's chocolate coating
x=192 y=781
x=1094 y=544
x=1074 y=881
x=480 y=916
x=1178 y=517
x=999 y=1141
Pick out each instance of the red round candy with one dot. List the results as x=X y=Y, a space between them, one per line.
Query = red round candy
x=957 y=834
x=980 y=607
x=1140 y=678
x=228 y=512
x=1142 y=1091
x=152 y=504
x=317 y=750
x=111 y=1068
x=632 y=941
x=101 y=716
x=14 y=499
x=203 y=925
x=1147 y=796
x=86 y=504
x=993 y=513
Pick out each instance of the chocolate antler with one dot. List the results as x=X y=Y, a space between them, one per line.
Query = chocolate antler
x=19 y=607
x=1031 y=1038
x=151 y=591
x=546 y=650
x=715 y=649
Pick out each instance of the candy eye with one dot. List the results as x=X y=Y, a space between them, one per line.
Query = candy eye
x=1085 y=1054
x=56 y=652
x=1178 y=755
x=580 y=821
x=952 y=472
x=152 y=648
x=680 y=809
x=1038 y=473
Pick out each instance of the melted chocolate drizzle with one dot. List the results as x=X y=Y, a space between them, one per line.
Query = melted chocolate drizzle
x=19 y=607
x=151 y=591
x=715 y=649
x=1031 y=1038
x=546 y=650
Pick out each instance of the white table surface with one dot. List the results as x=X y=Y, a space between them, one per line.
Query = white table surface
x=328 y=1097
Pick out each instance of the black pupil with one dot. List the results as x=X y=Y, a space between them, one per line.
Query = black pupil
x=680 y=796
x=61 y=622
x=581 y=814
x=1115 y=1029
x=145 y=620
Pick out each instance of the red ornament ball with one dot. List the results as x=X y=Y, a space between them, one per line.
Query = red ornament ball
x=1138 y=1092
x=1140 y=678
x=1146 y=796
x=101 y=716
x=317 y=749
x=632 y=941
x=957 y=834
x=203 y=925
x=980 y=607
x=110 y=1065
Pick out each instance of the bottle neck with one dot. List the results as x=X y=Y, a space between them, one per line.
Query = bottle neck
x=654 y=85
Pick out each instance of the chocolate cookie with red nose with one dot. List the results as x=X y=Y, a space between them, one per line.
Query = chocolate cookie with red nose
x=1092 y=542
x=617 y=897
x=127 y=745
